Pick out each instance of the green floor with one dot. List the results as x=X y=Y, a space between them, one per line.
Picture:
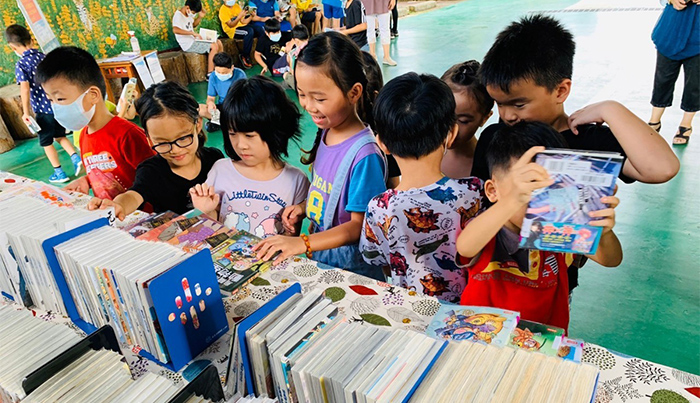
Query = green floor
x=648 y=307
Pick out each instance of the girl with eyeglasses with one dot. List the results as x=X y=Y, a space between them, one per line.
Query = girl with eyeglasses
x=170 y=117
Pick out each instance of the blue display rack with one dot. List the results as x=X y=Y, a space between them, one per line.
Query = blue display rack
x=183 y=342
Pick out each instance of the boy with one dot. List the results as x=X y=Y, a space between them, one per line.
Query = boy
x=528 y=73
x=111 y=147
x=285 y=65
x=501 y=275
x=185 y=20
x=356 y=23
x=332 y=14
x=413 y=228
x=31 y=93
x=265 y=10
x=269 y=48
x=236 y=23
x=309 y=13
x=224 y=76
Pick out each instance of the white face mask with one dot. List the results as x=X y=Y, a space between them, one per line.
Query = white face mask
x=275 y=37
x=223 y=77
x=191 y=14
x=231 y=3
x=73 y=117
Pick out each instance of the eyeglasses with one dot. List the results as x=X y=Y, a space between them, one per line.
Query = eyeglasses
x=182 y=142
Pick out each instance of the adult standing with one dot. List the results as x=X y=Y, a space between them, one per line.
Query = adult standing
x=677 y=39
x=378 y=10
x=395 y=20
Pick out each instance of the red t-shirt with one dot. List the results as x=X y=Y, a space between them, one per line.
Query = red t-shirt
x=540 y=294
x=111 y=155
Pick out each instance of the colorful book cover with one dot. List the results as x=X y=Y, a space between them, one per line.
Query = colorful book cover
x=557 y=217
x=534 y=336
x=235 y=262
x=569 y=349
x=205 y=228
x=166 y=232
x=149 y=223
x=475 y=323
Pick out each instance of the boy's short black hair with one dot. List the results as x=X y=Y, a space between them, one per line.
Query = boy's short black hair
x=413 y=115
x=537 y=47
x=18 y=35
x=223 y=59
x=194 y=5
x=272 y=25
x=73 y=64
x=511 y=142
x=300 y=32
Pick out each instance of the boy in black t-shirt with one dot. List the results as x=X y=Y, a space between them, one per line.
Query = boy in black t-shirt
x=269 y=48
x=356 y=23
x=528 y=73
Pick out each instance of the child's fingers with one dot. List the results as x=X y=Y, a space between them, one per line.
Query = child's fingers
x=605 y=223
x=271 y=252
x=281 y=257
x=611 y=201
x=260 y=245
x=608 y=212
x=528 y=156
x=216 y=199
x=94 y=203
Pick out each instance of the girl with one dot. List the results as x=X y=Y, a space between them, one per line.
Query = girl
x=170 y=116
x=473 y=110
x=250 y=190
x=348 y=167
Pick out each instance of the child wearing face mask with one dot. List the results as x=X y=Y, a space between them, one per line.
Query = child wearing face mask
x=249 y=190
x=224 y=76
x=269 y=48
x=111 y=147
x=185 y=21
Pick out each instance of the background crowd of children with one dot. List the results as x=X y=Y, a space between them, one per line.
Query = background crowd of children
x=400 y=188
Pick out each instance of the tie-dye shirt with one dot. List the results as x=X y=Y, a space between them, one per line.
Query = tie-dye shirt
x=414 y=232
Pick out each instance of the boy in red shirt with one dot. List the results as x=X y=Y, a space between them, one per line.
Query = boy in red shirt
x=111 y=147
x=502 y=275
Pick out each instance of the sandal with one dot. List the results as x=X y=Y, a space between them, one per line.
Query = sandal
x=681 y=138
x=656 y=126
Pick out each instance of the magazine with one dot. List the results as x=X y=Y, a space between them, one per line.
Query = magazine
x=557 y=217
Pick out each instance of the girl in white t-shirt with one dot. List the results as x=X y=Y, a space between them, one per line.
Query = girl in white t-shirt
x=250 y=190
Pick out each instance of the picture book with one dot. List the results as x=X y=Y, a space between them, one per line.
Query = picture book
x=557 y=217
x=197 y=233
x=475 y=323
x=569 y=349
x=203 y=45
x=235 y=262
x=149 y=223
x=533 y=336
x=166 y=232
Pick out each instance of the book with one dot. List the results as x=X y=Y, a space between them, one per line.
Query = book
x=533 y=336
x=203 y=45
x=235 y=262
x=557 y=217
x=148 y=223
x=475 y=323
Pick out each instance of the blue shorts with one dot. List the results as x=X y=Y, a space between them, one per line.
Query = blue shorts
x=333 y=12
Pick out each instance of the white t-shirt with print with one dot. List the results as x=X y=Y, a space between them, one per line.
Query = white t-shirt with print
x=256 y=206
x=186 y=23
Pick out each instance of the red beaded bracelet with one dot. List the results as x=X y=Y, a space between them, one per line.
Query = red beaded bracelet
x=309 y=252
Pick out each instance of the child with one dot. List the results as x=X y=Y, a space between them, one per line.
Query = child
x=111 y=147
x=269 y=48
x=309 y=14
x=31 y=93
x=185 y=20
x=528 y=73
x=412 y=229
x=348 y=167
x=356 y=23
x=333 y=12
x=265 y=10
x=236 y=22
x=250 y=190
x=474 y=108
x=533 y=282
x=169 y=113
x=219 y=83
x=285 y=65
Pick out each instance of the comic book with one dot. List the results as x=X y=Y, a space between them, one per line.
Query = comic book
x=192 y=237
x=475 y=323
x=150 y=222
x=557 y=217
x=534 y=336
x=235 y=262
x=167 y=231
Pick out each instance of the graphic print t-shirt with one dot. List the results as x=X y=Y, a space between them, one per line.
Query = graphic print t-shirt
x=186 y=23
x=111 y=155
x=414 y=232
x=256 y=206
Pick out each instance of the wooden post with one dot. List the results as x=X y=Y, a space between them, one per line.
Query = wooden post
x=6 y=141
x=11 y=112
x=174 y=67
x=231 y=48
x=196 y=67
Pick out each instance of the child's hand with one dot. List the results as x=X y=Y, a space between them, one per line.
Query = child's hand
x=80 y=185
x=392 y=3
x=100 y=204
x=606 y=217
x=197 y=36
x=589 y=114
x=26 y=118
x=211 y=106
x=264 y=70
x=204 y=198
x=679 y=4
x=291 y=216
x=286 y=246
x=525 y=177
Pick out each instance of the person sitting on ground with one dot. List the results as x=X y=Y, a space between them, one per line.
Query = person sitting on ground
x=185 y=20
x=269 y=47
x=236 y=24
x=219 y=83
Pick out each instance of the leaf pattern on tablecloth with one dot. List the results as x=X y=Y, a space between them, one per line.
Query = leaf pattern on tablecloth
x=624 y=391
x=597 y=356
x=264 y=294
x=138 y=366
x=305 y=270
x=283 y=277
x=392 y=297
x=400 y=314
x=362 y=290
x=686 y=378
x=334 y=293
x=331 y=277
x=367 y=304
x=174 y=377
x=259 y=282
x=667 y=396
x=426 y=307
x=245 y=308
x=374 y=319
x=603 y=396
x=644 y=371
x=359 y=280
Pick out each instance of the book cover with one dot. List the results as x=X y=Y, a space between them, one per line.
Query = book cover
x=475 y=323
x=235 y=262
x=534 y=336
x=557 y=216
x=149 y=223
x=166 y=232
x=196 y=234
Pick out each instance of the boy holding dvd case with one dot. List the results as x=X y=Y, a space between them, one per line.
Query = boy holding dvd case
x=533 y=282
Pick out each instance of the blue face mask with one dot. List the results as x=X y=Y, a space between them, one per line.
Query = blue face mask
x=73 y=117
x=223 y=77
x=275 y=37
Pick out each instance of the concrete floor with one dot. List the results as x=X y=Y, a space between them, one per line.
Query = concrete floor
x=648 y=307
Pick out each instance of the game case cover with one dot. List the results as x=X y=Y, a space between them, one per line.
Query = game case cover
x=557 y=216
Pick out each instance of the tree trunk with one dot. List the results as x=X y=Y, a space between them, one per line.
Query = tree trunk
x=11 y=112
x=231 y=48
x=196 y=67
x=174 y=67
x=6 y=141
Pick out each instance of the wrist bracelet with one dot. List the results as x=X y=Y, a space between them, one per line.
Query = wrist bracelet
x=309 y=252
